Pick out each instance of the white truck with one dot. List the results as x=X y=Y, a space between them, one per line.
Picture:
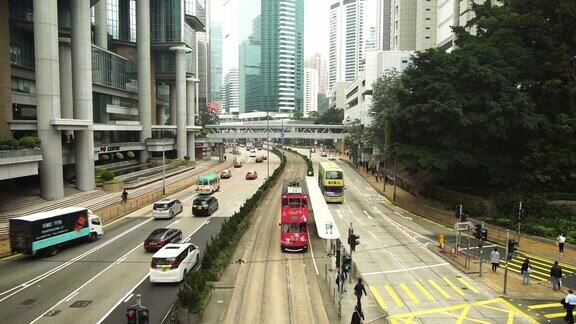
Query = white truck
x=47 y=232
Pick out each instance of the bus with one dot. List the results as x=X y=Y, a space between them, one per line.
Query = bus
x=331 y=182
x=294 y=215
x=208 y=184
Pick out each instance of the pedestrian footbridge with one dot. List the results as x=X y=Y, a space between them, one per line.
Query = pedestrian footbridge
x=262 y=131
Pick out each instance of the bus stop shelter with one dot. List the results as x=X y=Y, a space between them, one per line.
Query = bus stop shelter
x=325 y=224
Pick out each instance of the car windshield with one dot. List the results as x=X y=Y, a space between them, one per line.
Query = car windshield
x=157 y=234
x=293 y=227
x=295 y=202
x=333 y=175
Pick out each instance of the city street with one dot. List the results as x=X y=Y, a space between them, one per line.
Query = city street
x=91 y=280
x=406 y=280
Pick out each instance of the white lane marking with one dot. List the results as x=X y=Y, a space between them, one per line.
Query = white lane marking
x=70 y=298
x=403 y=228
x=131 y=291
x=339 y=214
x=120 y=260
x=406 y=269
x=312 y=253
x=128 y=298
x=72 y=294
x=365 y=212
x=207 y=221
x=12 y=291
x=176 y=222
x=397 y=213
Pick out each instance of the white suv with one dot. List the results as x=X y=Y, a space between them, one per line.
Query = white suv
x=172 y=262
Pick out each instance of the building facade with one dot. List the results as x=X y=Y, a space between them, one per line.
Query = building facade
x=358 y=94
x=319 y=63
x=231 y=93
x=102 y=97
x=310 y=91
x=216 y=62
x=383 y=19
x=413 y=25
x=451 y=13
x=346 y=45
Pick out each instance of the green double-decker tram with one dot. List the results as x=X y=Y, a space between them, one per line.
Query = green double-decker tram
x=331 y=182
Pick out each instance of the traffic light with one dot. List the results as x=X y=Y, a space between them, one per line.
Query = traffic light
x=347 y=264
x=457 y=212
x=355 y=240
x=478 y=232
x=484 y=233
x=132 y=315
x=143 y=315
x=137 y=315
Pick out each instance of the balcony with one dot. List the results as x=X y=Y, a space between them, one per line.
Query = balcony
x=114 y=71
x=160 y=144
x=19 y=163
x=195 y=12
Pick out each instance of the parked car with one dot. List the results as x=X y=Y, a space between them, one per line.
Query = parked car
x=264 y=157
x=166 y=208
x=323 y=154
x=226 y=174
x=172 y=262
x=251 y=175
x=160 y=237
x=204 y=206
x=332 y=157
x=237 y=164
x=259 y=159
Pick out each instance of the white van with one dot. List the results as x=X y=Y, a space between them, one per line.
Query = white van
x=172 y=262
x=253 y=153
x=166 y=208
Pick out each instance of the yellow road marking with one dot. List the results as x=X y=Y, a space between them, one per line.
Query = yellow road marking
x=540 y=306
x=495 y=308
x=393 y=294
x=549 y=261
x=462 y=316
x=516 y=310
x=555 y=315
x=437 y=286
x=409 y=293
x=454 y=287
x=510 y=317
x=516 y=269
x=424 y=291
x=378 y=298
x=468 y=285
x=535 y=269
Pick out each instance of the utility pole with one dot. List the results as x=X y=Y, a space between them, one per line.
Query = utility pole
x=481 y=250
x=350 y=233
x=506 y=268
x=163 y=165
x=268 y=144
x=519 y=220
x=341 y=285
x=458 y=233
x=395 y=176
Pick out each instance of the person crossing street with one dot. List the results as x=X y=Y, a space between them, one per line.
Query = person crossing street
x=569 y=304
x=358 y=289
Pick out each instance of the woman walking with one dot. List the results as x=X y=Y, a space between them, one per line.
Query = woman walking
x=526 y=270
x=561 y=240
x=495 y=259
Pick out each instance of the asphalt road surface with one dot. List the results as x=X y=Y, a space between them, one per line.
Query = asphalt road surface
x=85 y=282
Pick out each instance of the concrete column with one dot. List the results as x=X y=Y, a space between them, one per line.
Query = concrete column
x=66 y=98
x=48 y=96
x=82 y=91
x=144 y=79
x=5 y=72
x=180 y=82
x=101 y=31
x=160 y=116
x=172 y=105
x=190 y=115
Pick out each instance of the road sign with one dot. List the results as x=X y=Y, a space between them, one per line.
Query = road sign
x=462 y=226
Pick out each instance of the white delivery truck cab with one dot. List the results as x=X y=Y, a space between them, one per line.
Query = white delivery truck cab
x=47 y=232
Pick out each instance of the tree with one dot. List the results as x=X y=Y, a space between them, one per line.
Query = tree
x=323 y=104
x=330 y=117
x=207 y=117
x=297 y=114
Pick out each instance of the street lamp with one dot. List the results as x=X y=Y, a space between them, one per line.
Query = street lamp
x=268 y=135
x=163 y=166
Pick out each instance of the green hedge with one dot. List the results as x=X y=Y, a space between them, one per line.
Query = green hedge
x=310 y=170
x=193 y=293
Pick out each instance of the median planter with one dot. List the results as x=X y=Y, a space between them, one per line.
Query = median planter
x=115 y=186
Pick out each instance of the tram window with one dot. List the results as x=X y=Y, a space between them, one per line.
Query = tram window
x=303 y=227
x=294 y=202
x=286 y=228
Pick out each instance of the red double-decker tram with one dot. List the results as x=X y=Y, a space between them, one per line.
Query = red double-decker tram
x=294 y=215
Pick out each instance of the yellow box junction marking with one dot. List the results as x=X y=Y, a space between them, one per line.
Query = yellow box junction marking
x=393 y=294
x=437 y=287
x=468 y=285
x=378 y=297
x=409 y=293
x=555 y=315
x=454 y=287
x=540 y=306
x=461 y=312
x=424 y=291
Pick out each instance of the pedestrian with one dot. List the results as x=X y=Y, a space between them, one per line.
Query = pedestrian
x=358 y=315
x=556 y=276
x=358 y=289
x=569 y=304
x=124 y=196
x=340 y=280
x=526 y=270
x=561 y=240
x=495 y=259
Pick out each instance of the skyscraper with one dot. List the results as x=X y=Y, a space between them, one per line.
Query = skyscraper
x=383 y=24
x=310 y=91
x=230 y=92
x=249 y=81
x=282 y=54
x=413 y=25
x=346 y=41
x=216 y=62
x=371 y=40
x=318 y=63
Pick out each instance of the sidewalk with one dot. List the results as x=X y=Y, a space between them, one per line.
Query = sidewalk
x=108 y=206
x=532 y=245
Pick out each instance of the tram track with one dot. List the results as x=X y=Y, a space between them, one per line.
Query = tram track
x=272 y=286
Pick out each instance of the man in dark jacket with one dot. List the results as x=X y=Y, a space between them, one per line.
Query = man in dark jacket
x=358 y=289
x=357 y=316
x=556 y=276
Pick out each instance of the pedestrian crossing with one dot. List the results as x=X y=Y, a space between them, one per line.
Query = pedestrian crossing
x=423 y=292
x=374 y=197
x=540 y=266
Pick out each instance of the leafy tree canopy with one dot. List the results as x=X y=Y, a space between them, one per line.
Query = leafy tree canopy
x=330 y=117
x=497 y=111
